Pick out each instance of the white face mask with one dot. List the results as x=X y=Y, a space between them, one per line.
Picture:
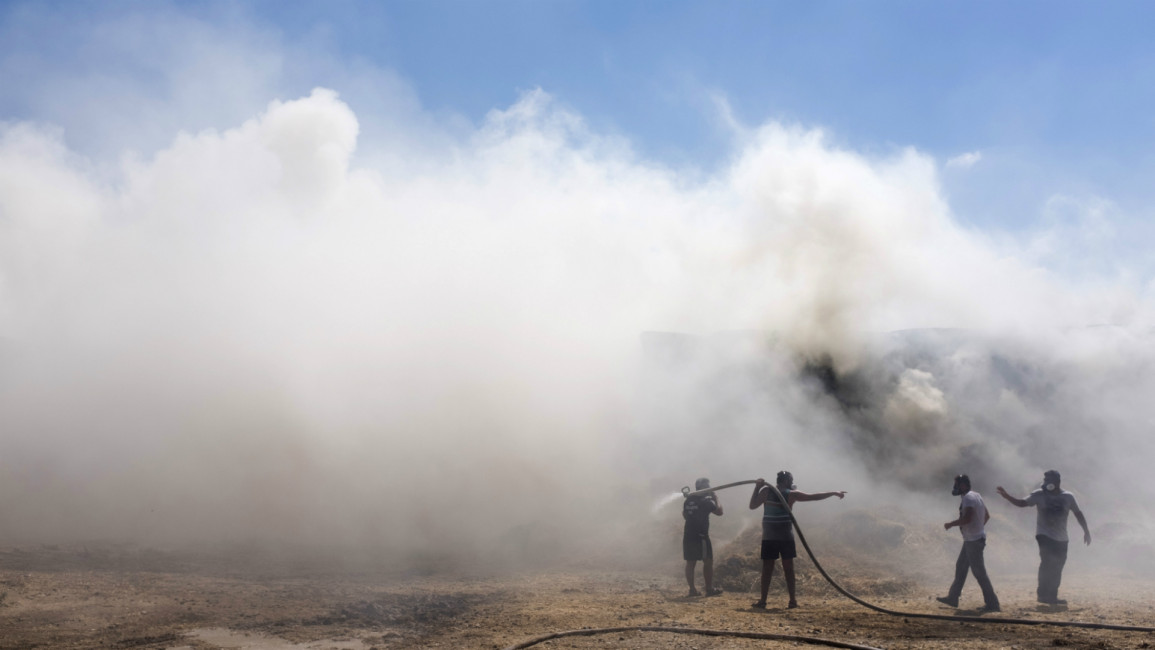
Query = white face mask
x=1049 y=487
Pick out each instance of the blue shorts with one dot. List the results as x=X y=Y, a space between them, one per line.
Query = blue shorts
x=772 y=548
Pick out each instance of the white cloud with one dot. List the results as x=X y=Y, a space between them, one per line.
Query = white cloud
x=965 y=161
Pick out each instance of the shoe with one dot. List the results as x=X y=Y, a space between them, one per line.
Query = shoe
x=759 y=605
x=792 y=605
x=714 y=592
x=1057 y=601
x=693 y=592
x=986 y=609
x=947 y=600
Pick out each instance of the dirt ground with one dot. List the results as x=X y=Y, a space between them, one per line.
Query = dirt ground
x=118 y=596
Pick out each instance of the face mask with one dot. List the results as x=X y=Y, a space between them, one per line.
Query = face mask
x=1050 y=487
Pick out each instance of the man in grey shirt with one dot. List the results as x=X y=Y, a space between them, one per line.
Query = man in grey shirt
x=1052 y=505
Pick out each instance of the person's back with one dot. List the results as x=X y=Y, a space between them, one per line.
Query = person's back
x=696 y=511
x=776 y=522
x=778 y=529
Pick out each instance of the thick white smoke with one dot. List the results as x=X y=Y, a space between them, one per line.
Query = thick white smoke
x=257 y=334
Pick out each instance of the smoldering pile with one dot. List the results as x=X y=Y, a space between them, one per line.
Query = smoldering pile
x=867 y=554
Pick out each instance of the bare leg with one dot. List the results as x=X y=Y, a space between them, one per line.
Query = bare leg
x=708 y=574
x=767 y=574
x=788 y=571
x=690 y=576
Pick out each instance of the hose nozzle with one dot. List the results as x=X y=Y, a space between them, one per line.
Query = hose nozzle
x=686 y=491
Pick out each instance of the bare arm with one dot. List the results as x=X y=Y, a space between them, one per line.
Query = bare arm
x=1083 y=522
x=1022 y=503
x=965 y=518
x=795 y=496
x=759 y=496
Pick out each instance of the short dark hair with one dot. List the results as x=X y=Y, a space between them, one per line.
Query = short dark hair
x=701 y=484
x=785 y=478
x=962 y=478
x=1052 y=473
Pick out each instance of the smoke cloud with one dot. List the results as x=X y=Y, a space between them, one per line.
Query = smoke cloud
x=521 y=334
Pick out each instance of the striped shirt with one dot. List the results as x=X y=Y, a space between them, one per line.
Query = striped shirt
x=776 y=523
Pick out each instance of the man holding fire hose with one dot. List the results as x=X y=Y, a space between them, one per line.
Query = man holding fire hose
x=696 y=510
x=778 y=529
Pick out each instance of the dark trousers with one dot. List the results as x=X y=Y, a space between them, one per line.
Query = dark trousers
x=970 y=558
x=1052 y=557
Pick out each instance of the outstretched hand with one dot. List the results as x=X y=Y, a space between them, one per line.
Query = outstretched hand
x=840 y=495
x=1087 y=537
x=1002 y=492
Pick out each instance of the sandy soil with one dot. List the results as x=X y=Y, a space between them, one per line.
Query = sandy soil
x=117 y=596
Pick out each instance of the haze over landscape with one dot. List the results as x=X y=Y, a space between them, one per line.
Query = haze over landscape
x=263 y=281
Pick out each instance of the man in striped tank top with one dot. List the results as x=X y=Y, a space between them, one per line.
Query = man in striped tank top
x=778 y=529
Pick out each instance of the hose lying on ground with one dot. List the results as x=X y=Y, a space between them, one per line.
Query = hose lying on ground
x=690 y=630
x=939 y=617
x=814 y=640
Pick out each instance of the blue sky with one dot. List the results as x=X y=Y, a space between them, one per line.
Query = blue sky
x=1055 y=96
x=1028 y=83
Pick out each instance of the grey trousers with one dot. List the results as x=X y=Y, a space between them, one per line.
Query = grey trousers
x=970 y=559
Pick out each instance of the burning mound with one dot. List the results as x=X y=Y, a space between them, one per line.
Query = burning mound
x=867 y=555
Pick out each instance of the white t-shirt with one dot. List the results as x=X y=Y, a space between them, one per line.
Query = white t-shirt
x=975 y=529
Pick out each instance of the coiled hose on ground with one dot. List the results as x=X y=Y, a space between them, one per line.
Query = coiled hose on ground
x=814 y=640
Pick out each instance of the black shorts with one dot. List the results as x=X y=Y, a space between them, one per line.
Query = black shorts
x=697 y=547
x=772 y=548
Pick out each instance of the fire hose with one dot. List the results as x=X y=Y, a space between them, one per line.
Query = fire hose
x=813 y=640
x=940 y=617
x=690 y=630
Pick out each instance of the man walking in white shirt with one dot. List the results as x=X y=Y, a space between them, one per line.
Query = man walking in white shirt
x=971 y=521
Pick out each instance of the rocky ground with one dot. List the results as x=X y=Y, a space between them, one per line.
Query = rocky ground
x=121 y=596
